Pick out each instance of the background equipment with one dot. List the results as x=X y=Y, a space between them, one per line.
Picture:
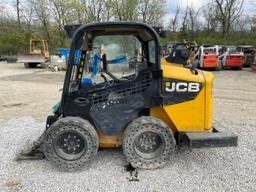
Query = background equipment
x=249 y=52
x=38 y=54
x=230 y=56
x=207 y=57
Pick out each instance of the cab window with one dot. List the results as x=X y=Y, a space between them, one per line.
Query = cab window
x=152 y=51
x=123 y=53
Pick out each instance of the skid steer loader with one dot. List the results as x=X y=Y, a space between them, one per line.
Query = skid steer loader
x=148 y=109
x=249 y=52
x=229 y=56
x=206 y=57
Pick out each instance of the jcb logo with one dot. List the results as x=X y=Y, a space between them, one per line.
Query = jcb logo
x=182 y=87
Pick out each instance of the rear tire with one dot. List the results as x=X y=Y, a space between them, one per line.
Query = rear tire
x=148 y=143
x=26 y=65
x=236 y=68
x=43 y=65
x=70 y=143
x=220 y=66
x=30 y=65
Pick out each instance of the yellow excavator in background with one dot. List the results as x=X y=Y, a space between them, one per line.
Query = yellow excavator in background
x=38 y=54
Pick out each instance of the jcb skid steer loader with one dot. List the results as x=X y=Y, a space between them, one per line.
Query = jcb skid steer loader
x=148 y=109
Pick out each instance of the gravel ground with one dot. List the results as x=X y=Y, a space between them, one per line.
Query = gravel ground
x=226 y=169
x=223 y=169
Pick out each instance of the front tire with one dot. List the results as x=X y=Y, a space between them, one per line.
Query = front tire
x=220 y=66
x=70 y=143
x=30 y=65
x=148 y=143
x=26 y=65
x=43 y=65
x=236 y=68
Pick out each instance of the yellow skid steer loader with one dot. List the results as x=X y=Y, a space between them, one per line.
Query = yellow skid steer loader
x=147 y=110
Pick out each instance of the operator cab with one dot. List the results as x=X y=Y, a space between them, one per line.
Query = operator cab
x=118 y=75
x=110 y=56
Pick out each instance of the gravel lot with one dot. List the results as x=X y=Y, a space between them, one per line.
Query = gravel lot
x=226 y=169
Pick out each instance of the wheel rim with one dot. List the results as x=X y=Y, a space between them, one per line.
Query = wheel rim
x=70 y=145
x=148 y=144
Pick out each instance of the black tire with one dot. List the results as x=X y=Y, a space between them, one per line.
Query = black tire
x=26 y=65
x=32 y=65
x=164 y=143
x=236 y=68
x=43 y=65
x=184 y=53
x=70 y=143
x=220 y=66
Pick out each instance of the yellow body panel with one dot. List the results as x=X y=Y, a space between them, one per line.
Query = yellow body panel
x=189 y=116
x=160 y=113
x=209 y=78
x=110 y=141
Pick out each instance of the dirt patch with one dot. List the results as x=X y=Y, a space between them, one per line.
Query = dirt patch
x=133 y=173
x=12 y=185
x=28 y=92
x=35 y=77
x=14 y=105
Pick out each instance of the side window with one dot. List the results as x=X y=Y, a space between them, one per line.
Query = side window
x=123 y=53
x=152 y=51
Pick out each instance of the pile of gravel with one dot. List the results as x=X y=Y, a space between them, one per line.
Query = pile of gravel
x=226 y=169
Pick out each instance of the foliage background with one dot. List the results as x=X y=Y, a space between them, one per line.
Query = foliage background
x=25 y=19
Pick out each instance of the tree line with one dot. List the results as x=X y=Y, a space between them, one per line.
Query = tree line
x=217 y=21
